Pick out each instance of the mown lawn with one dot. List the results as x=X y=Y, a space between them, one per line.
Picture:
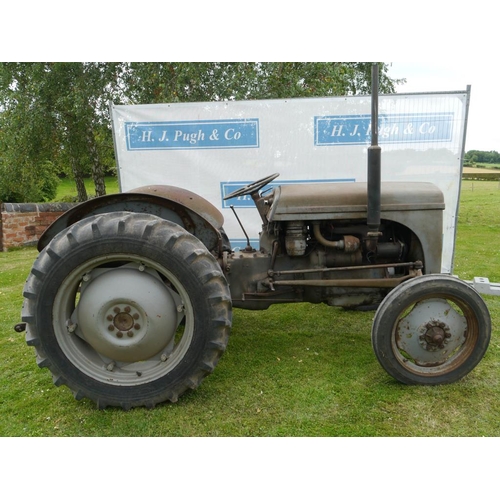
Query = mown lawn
x=292 y=371
x=301 y=370
x=66 y=190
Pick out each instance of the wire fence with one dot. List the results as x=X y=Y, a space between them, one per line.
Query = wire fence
x=479 y=185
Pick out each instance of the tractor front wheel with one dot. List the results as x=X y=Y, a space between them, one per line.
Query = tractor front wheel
x=431 y=330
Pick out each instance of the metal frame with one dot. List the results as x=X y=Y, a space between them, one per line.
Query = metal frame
x=484 y=287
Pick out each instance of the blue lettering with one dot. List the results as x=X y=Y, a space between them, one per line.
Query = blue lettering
x=202 y=134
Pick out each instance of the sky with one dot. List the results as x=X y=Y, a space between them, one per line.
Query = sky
x=483 y=132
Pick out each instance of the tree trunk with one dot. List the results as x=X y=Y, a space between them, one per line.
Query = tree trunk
x=97 y=170
x=80 y=184
x=80 y=188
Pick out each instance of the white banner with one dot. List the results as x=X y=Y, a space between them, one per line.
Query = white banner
x=214 y=148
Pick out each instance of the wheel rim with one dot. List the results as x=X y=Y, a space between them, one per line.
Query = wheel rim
x=435 y=335
x=123 y=320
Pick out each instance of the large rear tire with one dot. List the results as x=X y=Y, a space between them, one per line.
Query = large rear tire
x=431 y=330
x=127 y=310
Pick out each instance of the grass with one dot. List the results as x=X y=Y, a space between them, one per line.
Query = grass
x=478 y=235
x=66 y=190
x=300 y=370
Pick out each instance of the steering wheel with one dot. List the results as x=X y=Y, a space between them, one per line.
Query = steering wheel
x=251 y=188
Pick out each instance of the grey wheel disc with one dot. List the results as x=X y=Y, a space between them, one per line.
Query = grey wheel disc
x=120 y=325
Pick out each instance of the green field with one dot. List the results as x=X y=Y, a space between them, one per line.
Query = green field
x=300 y=370
x=66 y=190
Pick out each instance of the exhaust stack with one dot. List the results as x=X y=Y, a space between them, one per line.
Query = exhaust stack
x=374 y=167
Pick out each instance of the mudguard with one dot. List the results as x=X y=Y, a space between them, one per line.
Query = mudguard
x=195 y=214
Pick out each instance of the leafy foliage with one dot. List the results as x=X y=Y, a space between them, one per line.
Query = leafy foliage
x=191 y=82
x=474 y=156
x=52 y=112
x=36 y=182
x=57 y=113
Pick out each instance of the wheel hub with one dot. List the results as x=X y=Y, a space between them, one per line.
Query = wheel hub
x=123 y=321
x=435 y=337
x=430 y=343
x=127 y=315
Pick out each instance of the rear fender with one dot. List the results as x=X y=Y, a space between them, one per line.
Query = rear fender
x=195 y=214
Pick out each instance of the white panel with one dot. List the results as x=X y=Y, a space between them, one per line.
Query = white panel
x=215 y=147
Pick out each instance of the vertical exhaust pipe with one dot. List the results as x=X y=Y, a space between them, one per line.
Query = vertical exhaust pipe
x=373 y=174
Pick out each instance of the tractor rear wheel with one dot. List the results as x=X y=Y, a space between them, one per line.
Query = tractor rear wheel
x=127 y=310
x=431 y=330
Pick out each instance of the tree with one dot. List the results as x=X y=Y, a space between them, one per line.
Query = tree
x=191 y=82
x=474 y=156
x=54 y=116
x=53 y=112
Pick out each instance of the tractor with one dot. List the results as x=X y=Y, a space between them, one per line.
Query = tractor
x=129 y=302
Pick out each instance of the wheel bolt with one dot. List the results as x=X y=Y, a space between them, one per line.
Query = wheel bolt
x=127 y=309
x=136 y=316
x=109 y=317
x=71 y=327
x=130 y=334
x=119 y=335
x=116 y=310
x=137 y=326
x=111 y=328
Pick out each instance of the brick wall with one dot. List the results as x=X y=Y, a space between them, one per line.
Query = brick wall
x=21 y=224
